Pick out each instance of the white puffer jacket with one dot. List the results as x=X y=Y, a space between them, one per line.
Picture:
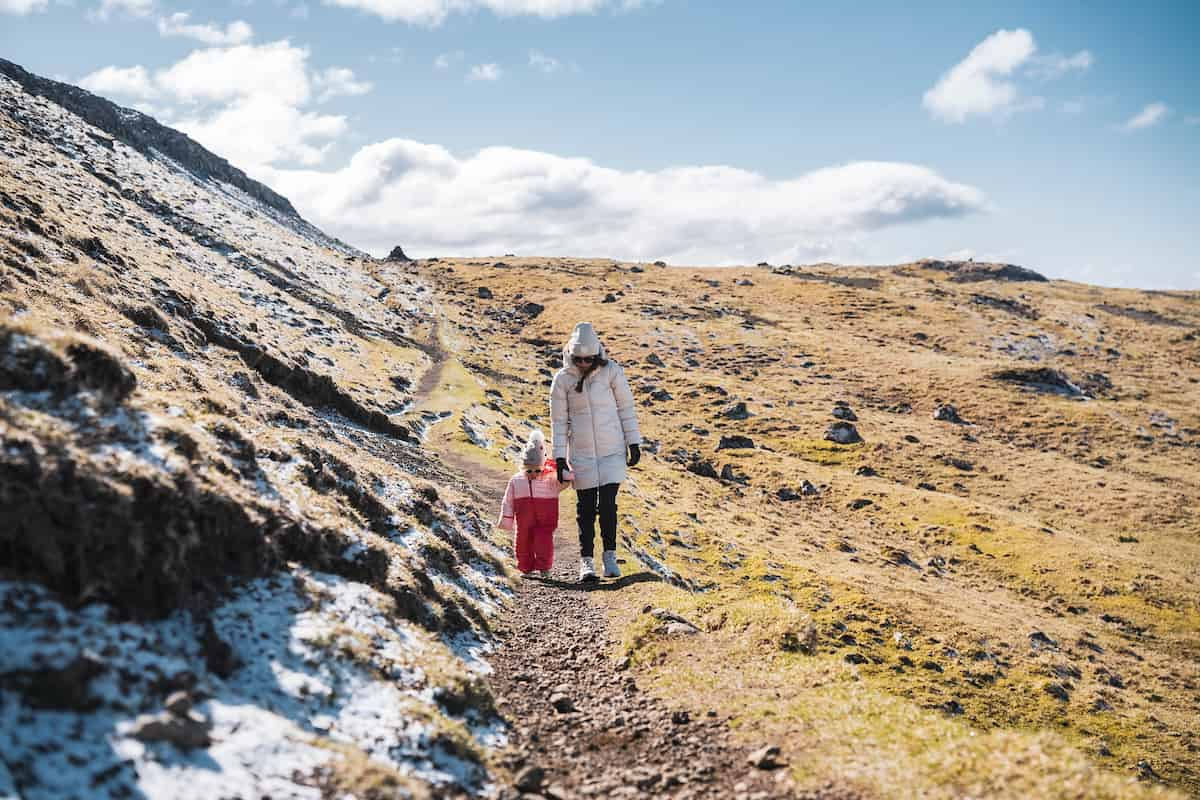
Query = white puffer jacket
x=599 y=421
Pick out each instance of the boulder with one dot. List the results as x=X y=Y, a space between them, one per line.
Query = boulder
x=484 y=293
x=947 y=413
x=842 y=433
x=735 y=442
x=397 y=254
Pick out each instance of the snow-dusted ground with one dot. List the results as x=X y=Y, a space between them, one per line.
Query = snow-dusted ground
x=320 y=662
x=326 y=674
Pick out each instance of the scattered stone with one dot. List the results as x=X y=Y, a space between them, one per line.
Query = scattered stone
x=609 y=298
x=766 y=758
x=187 y=731
x=529 y=780
x=728 y=474
x=178 y=703
x=1039 y=640
x=681 y=717
x=866 y=472
x=654 y=361
x=704 y=469
x=736 y=411
x=1058 y=691
x=562 y=703
x=842 y=433
x=787 y=494
x=735 y=442
x=855 y=658
x=952 y=707
x=484 y=293
x=532 y=309
x=807 y=489
x=844 y=412
x=861 y=503
x=947 y=413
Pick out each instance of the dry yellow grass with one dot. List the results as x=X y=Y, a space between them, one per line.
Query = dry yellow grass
x=1073 y=518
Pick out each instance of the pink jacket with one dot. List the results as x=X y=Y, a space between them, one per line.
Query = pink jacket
x=532 y=503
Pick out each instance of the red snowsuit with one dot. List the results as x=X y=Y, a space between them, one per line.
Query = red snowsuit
x=531 y=507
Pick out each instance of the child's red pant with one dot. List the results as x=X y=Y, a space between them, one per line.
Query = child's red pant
x=535 y=548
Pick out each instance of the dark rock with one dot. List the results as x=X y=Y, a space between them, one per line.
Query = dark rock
x=654 y=361
x=680 y=717
x=178 y=703
x=562 y=703
x=1040 y=379
x=787 y=494
x=947 y=413
x=808 y=490
x=1039 y=640
x=532 y=309
x=397 y=254
x=855 y=658
x=186 y=732
x=844 y=412
x=735 y=442
x=842 y=433
x=736 y=411
x=704 y=469
x=728 y=474
x=1058 y=691
x=975 y=271
x=484 y=293
x=529 y=780
x=866 y=471
x=66 y=689
x=609 y=298
x=860 y=503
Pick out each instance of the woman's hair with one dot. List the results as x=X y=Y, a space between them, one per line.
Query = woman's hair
x=597 y=362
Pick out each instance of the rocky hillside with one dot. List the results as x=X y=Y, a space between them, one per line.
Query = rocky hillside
x=921 y=531
x=227 y=566
x=934 y=526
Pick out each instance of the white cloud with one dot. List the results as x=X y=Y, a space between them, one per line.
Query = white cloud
x=977 y=85
x=22 y=6
x=485 y=72
x=247 y=103
x=337 y=82
x=135 y=8
x=1148 y=117
x=507 y=200
x=545 y=63
x=444 y=60
x=432 y=13
x=178 y=24
x=1057 y=65
x=126 y=82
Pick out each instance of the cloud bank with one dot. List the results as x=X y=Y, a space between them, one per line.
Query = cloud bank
x=503 y=199
x=1148 y=117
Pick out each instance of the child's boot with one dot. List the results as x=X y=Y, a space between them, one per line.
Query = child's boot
x=611 y=570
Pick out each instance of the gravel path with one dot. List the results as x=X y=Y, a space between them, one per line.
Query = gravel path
x=581 y=727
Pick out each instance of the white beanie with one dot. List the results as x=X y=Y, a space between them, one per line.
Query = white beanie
x=584 y=341
x=535 y=450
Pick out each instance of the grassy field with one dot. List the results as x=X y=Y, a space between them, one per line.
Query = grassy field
x=999 y=606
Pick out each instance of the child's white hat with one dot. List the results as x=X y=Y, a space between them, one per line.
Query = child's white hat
x=535 y=449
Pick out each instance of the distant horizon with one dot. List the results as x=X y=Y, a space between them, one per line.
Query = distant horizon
x=1047 y=137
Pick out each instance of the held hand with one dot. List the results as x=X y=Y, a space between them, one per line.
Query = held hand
x=635 y=455
x=560 y=467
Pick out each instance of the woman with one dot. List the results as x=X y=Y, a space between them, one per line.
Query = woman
x=594 y=423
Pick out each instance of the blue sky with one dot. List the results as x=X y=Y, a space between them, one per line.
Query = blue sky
x=1065 y=139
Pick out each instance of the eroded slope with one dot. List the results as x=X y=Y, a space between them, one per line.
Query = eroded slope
x=207 y=487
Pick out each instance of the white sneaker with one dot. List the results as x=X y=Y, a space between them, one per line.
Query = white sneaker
x=587 y=570
x=611 y=570
x=545 y=573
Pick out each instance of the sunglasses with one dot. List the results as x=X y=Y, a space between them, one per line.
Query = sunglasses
x=583 y=359
x=533 y=470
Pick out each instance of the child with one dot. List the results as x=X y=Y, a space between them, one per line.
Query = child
x=531 y=506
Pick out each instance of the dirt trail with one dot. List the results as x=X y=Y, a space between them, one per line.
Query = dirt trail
x=601 y=735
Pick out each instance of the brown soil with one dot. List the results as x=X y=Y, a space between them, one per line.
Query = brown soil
x=619 y=741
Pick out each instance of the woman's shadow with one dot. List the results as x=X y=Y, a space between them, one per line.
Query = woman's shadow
x=600 y=584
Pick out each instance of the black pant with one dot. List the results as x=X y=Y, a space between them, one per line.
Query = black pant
x=587 y=502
